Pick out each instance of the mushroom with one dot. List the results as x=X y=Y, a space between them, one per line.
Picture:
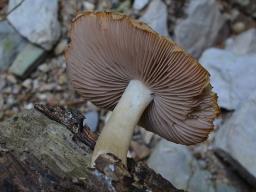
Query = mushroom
x=121 y=64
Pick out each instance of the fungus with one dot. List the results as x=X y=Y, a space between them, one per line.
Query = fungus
x=121 y=64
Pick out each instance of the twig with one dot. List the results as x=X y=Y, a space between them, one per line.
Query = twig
x=73 y=120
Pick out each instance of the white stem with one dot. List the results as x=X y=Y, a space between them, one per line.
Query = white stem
x=117 y=133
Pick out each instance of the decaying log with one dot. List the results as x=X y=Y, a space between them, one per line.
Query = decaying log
x=39 y=153
x=30 y=175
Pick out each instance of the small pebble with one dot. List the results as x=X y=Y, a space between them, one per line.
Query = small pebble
x=238 y=27
x=59 y=49
x=35 y=84
x=42 y=97
x=202 y=164
x=140 y=4
x=88 y=6
x=16 y=89
x=48 y=87
x=29 y=106
x=27 y=83
x=7 y=90
x=234 y=14
x=11 y=79
x=10 y=101
x=74 y=180
x=91 y=120
x=62 y=79
x=44 y=68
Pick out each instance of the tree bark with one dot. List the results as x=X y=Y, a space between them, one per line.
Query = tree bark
x=51 y=151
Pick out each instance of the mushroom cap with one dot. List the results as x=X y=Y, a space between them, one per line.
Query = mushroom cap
x=108 y=50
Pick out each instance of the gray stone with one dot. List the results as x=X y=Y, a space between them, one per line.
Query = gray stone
x=244 y=43
x=223 y=187
x=10 y=44
x=156 y=17
x=37 y=21
x=44 y=68
x=177 y=164
x=238 y=27
x=123 y=6
x=88 y=5
x=235 y=140
x=60 y=47
x=27 y=83
x=139 y=4
x=92 y=120
x=200 y=180
x=232 y=76
x=201 y=27
x=169 y=158
x=27 y=59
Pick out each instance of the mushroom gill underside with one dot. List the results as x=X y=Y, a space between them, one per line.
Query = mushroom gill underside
x=107 y=51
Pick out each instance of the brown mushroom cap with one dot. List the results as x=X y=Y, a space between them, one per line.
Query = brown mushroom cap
x=108 y=50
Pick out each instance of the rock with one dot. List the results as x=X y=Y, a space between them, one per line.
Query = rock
x=139 y=151
x=238 y=27
x=44 y=68
x=139 y=4
x=62 y=79
x=235 y=140
x=156 y=17
x=37 y=21
x=27 y=83
x=26 y=60
x=49 y=87
x=59 y=49
x=201 y=27
x=124 y=6
x=230 y=77
x=234 y=14
x=92 y=120
x=147 y=136
x=29 y=106
x=16 y=89
x=11 y=101
x=177 y=164
x=11 y=78
x=169 y=158
x=200 y=180
x=10 y=44
x=244 y=43
x=88 y=5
